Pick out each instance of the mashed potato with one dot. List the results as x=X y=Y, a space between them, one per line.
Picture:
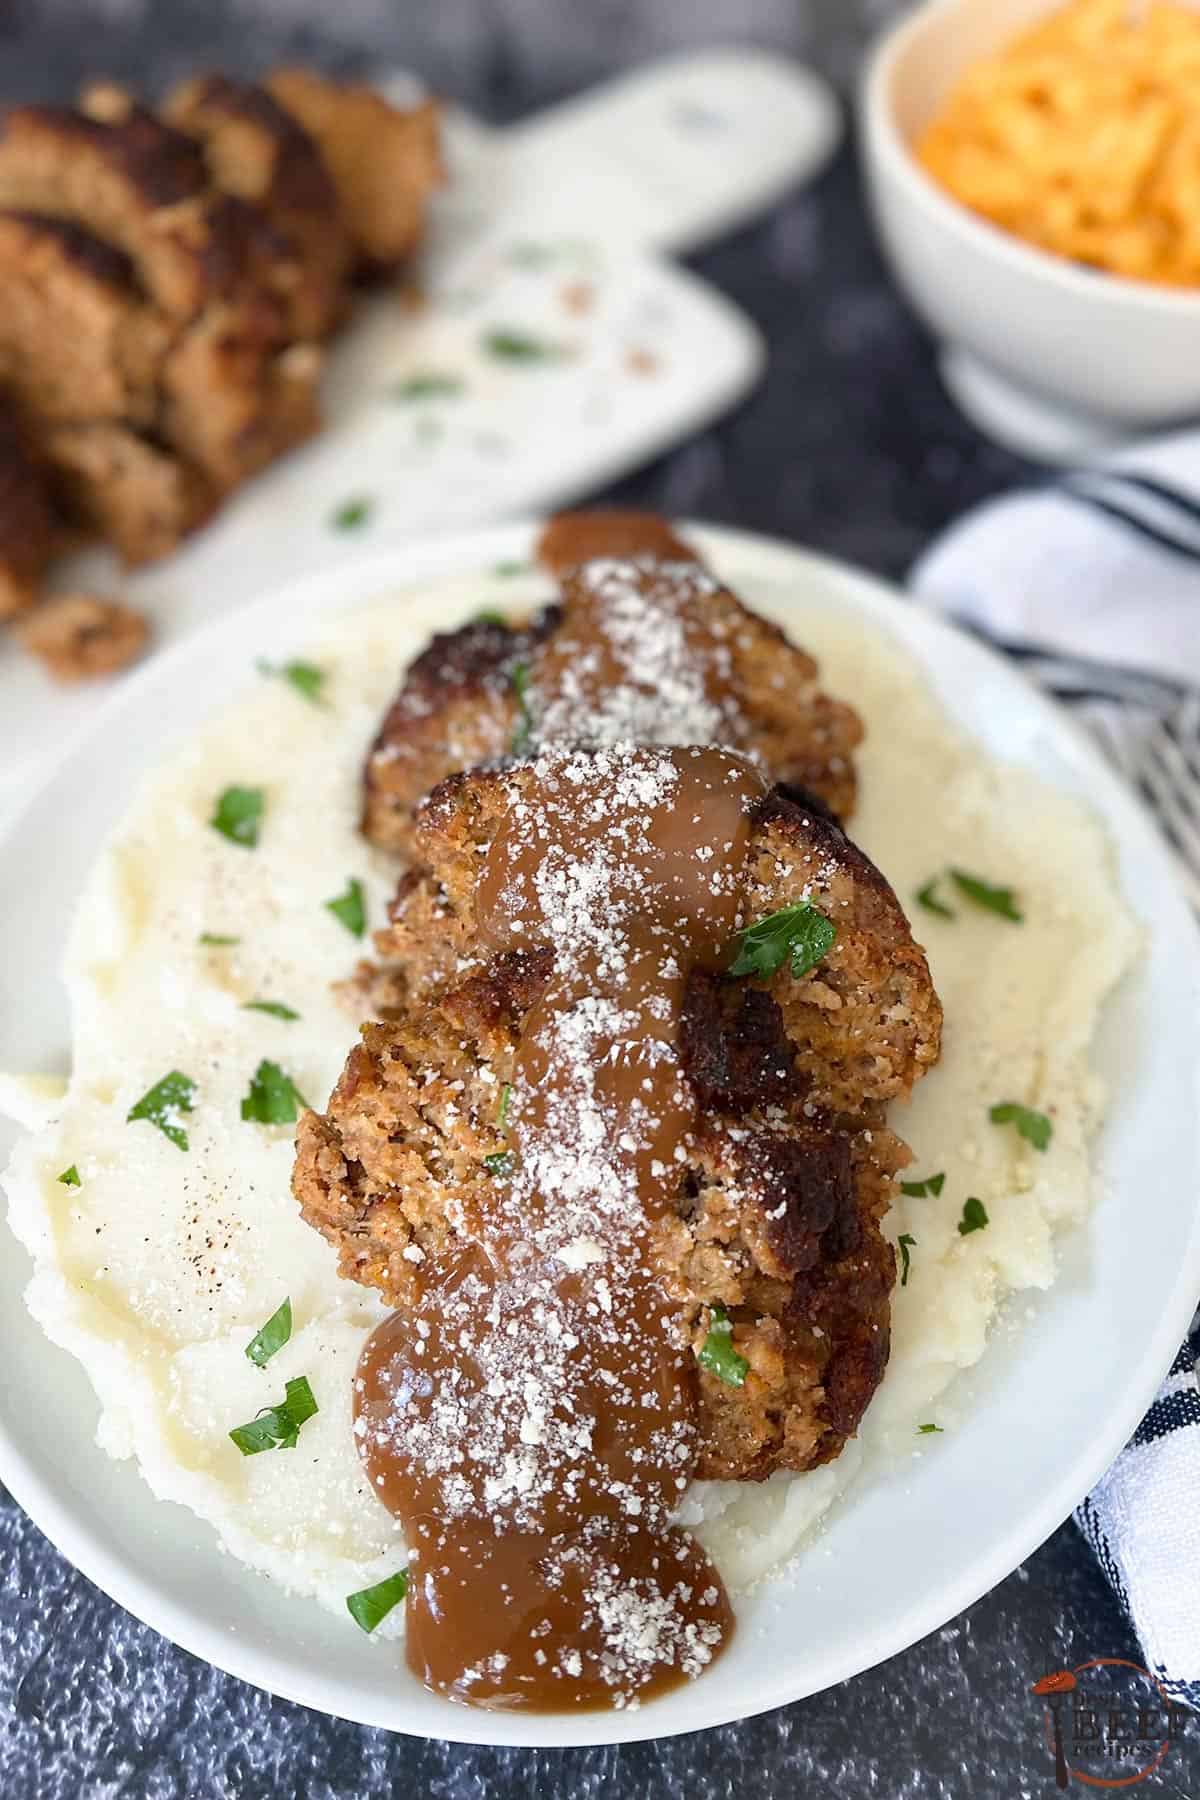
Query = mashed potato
x=158 y=1268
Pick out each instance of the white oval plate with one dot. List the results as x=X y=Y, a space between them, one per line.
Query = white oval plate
x=1050 y=1404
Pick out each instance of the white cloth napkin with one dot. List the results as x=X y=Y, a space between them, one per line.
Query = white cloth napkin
x=1093 y=582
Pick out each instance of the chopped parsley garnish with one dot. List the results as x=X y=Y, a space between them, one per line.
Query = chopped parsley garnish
x=274 y=1098
x=163 y=1104
x=70 y=1177
x=276 y=1008
x=500 y=1163
x=1000 y=900
x=506 y=570
x=974 y=1216
x=372 y=1605
x=799 y=932
x=906 y=1242
x=920 y=1190
x=522 y=737
x=510 y=345
x=277 y=1427
x=239 y=814
x=489 y=616
x=273 y=1335
x=717 y=1354
x=305 y=677
x=1034 y=1127
x=350 y=908
x=215 y=940
x=927 y=897
x=502 y=1110
x=428 y=384
x=924 y=1430
x=351 y=514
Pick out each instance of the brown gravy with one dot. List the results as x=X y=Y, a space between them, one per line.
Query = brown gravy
x=531 y=1418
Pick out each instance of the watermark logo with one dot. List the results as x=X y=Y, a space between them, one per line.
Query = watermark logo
x=1108 y=1722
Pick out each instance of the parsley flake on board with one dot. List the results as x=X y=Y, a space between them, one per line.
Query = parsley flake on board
x=920 y=1190
x=1034 y=1127
x=924 y=1430
x=239 y=814
x=974 y=1216
x=507 y=570
x=278 y=1427
x=799 y=932
x=276 y=1008
x=717 y=1354
x=927 y=897
x=305 y=677
x=350 y=908
x=522 y=737
x=274 y=1098
x=272 y=1336
x=428 y=384
x=163 y=1104
x=1002 y=900
x=500 y=1163
x=214 y=939
x=70 y=1177
x=906 y=1242
x=507 y=344
x=489 y=616
x=371 y=1606
x=351 y=514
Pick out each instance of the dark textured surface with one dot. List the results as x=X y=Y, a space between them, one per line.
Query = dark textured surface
x=850 y=445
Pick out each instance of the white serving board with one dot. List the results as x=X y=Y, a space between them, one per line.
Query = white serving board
x=554 y=231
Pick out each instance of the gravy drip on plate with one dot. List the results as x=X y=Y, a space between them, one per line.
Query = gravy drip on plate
x=531 y=1419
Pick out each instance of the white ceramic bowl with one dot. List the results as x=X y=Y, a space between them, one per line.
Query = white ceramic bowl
x=1048 y=357
x=1043 y=1413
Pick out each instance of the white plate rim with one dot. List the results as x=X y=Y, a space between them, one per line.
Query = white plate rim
x=303 y=603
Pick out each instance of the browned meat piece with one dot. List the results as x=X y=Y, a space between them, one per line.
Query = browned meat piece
x=138 y=496
x=27 y=523
x=144 y=189
x=869 y=1006
x=385 y=160
x=232 y=403
x=679 y=634
x=258 y=151
x=77 y=342
x=78 y=636
x=456 y=708
x=777 y=1204
x=578 y=537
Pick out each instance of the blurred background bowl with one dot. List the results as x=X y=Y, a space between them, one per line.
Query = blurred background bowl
x=1046 y=356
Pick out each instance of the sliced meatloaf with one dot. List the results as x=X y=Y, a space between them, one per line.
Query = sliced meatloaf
x=385 y=160
x=476 y=694
x=778 y=1198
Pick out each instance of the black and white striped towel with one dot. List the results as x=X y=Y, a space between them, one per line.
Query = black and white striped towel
x=1093 y=583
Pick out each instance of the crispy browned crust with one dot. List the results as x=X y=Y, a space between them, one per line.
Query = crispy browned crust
x=455 y=710
x=385 y=160
x=777 y=1210
x=77 y=342
x=573 y=538
x=258 y=151
x=124 y=488
x=143 y=188
x=457 y=706
x=28 y=527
